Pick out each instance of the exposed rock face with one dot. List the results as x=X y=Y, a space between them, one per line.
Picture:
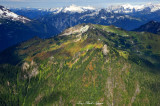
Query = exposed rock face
x=32 y=63
x=105 y=49
x=29 y=70
x=34 y=72
x=25 y=66
x=74 y=30
x=84 y=29
x=137 y=91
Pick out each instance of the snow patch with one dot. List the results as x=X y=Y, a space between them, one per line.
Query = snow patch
x=75 y=30
x=104 y=17
x=7 y=14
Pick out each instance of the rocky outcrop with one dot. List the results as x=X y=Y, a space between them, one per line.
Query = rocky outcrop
x=29 y=70
x=105 y=49
x=25 y=66
x=79 y=29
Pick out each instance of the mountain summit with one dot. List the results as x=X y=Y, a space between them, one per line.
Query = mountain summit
x=128 y=8
x=72 y=9
x=79 y=9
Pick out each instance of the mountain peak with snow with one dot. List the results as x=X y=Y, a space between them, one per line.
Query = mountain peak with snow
x=72 y=9
x=7 y=14
x=79 y=9
x=129 y=8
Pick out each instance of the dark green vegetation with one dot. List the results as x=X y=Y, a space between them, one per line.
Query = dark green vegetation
x=152 y=27
x=13 y=32
x=85 y=64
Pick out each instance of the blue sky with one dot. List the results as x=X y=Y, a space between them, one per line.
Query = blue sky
x=62 y=3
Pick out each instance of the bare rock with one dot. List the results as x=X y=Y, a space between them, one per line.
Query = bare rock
x=105 y=49
x=34 y=72
x=75 y=30
x=25 y=66
x=33 y=63
x=29 y=70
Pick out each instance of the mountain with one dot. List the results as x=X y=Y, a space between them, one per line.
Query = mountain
x=128 y=8
x=74 y=9
x=124 y=9
x=152 y=26
x=34 y=13
x=64 y=20
x=7 y=14
x=15 y=29
x=85 y=64
x=126 y=16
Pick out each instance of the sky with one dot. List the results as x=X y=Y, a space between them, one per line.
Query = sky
x=63 y=3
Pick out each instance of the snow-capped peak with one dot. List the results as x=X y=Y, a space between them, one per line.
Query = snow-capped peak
x=89 y=8
x=136 y=7
x=7 y=14
x=79 y=9
x=128 y=8
x=153 y=7
x=125 y=6
x=72 y=8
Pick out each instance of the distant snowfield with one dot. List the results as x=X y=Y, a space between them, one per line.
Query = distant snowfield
x=72 y=8
x=125 y=8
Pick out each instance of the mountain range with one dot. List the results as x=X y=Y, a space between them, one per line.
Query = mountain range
x=125 y=16
x=19 y=24
x=125 y=8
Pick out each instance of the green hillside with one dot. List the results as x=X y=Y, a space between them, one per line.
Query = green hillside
x=85 y=65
